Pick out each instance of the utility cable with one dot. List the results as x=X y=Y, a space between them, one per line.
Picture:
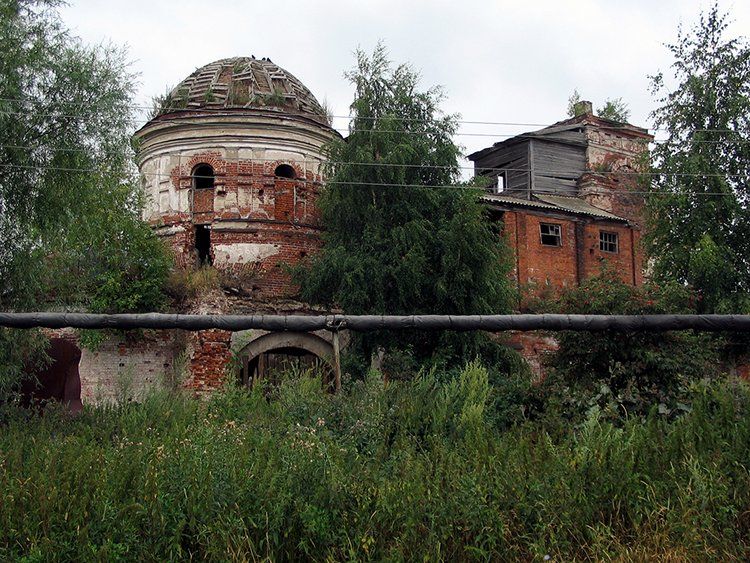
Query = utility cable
x=384 y=184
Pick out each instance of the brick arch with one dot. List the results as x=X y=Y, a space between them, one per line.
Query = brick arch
x=302 y=340
x=182 y=174
x=269 y=167
x=213 y=159
x=253 y=357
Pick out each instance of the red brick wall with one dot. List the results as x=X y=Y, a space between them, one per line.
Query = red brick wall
x=292 y=246
x=543 y=268
x=535 y=348
x=262 y=209
x=211 y=358
x=618 y=193
x=538 y=266
x=622 y=262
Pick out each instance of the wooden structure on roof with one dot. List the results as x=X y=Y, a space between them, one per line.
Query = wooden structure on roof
x=553 y=159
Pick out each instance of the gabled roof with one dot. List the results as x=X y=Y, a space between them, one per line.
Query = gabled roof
x=594 y=120
x=553 y=203
x=572 y=124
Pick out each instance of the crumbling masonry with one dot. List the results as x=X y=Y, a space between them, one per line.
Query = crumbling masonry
x=232 y=165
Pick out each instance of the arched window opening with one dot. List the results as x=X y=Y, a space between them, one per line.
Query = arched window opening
x=285 y=171
x=203 y=177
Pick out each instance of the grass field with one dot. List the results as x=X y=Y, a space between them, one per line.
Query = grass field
x=424 y=470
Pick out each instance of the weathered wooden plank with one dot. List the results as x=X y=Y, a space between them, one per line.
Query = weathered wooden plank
x=561 y=186
x=501 y=156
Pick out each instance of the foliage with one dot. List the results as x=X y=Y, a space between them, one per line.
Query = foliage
x=626 y=373
x=613 y=108
x=130 y=275
x=184 y=284
x=699 y=230
x=574 y=98
x=20 y=352
x=275 y=98
x=69 y=213
x=397 y=240
x=168 y=102
x=401 y=471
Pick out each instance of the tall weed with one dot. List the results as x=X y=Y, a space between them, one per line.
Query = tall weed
x=404 y=470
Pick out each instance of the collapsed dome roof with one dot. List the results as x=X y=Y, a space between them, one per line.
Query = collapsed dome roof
x=242 y=82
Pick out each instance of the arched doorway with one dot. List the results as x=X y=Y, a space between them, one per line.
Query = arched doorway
x=265 y=358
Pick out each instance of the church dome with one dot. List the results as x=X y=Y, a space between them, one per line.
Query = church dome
x=243 y=83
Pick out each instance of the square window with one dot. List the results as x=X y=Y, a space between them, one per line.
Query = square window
x=608 y=242
x=551 y=234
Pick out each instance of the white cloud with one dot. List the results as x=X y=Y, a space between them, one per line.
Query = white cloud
x=498 y=61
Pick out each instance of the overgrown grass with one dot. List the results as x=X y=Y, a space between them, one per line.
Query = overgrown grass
x=416 y=470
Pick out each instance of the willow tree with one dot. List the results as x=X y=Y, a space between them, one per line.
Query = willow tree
x=69 y=206
x=402 y=234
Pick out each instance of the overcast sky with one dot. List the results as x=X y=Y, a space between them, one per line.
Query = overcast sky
x=501 y=61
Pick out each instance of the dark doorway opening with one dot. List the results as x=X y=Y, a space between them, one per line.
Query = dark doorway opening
x=203 y=244
x=59 y=380
x=271 y=365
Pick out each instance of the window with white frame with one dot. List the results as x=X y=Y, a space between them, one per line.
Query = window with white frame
x=609 y=242
x=551 y=234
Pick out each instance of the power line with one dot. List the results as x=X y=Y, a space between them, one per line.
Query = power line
x=210 y=109
x=527 y=135
x=381 y=184
x=139 y=122
x=545 y=171
x=205 y=109
x=136 y=121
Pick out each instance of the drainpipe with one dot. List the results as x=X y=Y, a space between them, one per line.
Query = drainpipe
x=517 y=252
x=580 y=248
x=632 y=253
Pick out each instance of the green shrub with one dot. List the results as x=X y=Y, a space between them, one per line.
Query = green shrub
x=626 y=373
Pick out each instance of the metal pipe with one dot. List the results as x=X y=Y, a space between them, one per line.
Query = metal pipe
x=364 y=323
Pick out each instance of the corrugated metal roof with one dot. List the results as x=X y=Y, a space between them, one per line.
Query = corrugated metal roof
x=577 y=205
x=510 y=200
x=566 y=204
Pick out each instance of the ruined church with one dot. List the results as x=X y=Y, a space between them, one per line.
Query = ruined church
x=231 y=165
